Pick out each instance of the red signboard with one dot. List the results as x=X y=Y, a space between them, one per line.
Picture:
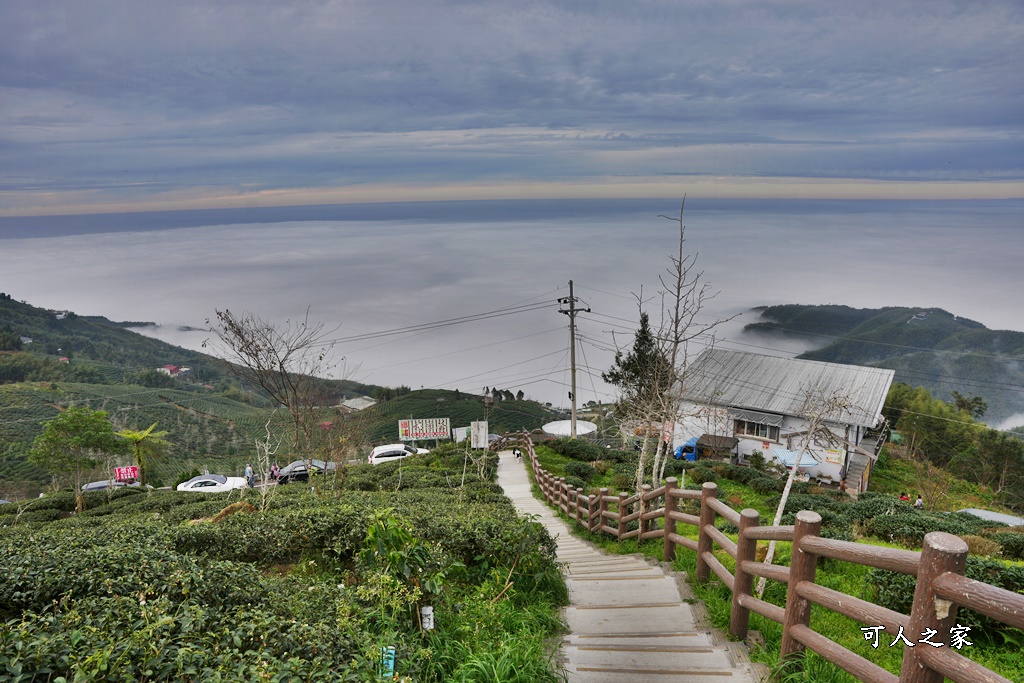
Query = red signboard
x=126 y=473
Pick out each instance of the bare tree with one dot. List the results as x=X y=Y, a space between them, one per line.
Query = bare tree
x=266 y=449
x=287 y=361
x=818 y=410
x=682 y=297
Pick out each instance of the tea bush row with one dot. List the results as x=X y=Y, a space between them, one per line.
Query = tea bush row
x=896 y=591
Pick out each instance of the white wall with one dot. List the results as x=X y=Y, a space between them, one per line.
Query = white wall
x=697 y=420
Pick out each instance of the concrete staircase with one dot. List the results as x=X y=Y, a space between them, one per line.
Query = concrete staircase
x=629 y=619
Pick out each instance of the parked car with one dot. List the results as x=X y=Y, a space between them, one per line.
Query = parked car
x=392 y=452
x=213 y=483
x=107 y=484
x=297 y=470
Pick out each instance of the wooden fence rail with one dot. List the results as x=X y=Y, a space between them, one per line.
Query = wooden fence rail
x=939 y=567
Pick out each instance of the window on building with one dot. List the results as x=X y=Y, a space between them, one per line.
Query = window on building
x=756 y=429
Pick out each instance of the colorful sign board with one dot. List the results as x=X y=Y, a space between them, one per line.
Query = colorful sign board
x=420 y=430
x=833 y=456
x=126 y=473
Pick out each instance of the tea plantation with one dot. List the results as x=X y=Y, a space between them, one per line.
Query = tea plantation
x=161 y=585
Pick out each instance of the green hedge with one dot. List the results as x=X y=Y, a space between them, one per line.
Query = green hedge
x=896 y=591
x=1011 y=544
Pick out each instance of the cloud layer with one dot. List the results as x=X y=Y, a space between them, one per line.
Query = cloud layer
x=125 y=103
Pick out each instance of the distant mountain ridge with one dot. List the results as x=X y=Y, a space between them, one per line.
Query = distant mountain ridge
x=927 y=347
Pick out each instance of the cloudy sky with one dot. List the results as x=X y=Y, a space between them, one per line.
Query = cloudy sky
x=117 y=105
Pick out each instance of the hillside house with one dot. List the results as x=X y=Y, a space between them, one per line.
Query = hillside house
x=354 y=405
x=761 y=403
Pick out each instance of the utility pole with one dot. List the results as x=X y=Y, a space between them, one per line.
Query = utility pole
x=571 y=312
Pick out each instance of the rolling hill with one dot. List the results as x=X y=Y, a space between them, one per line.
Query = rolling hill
x=926 y=347
x=211 y=418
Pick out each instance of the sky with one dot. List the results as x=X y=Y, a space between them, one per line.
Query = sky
x=136 y=105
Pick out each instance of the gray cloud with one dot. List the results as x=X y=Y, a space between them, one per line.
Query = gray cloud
x=123 y=99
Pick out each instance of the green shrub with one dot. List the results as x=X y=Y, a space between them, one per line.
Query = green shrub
x=622 y=482
x=575 y=482
x=978 y=545
x=740 y=473
x=1011 y=544
x=577 y=449
x=702 y=474
x=580 y=470
x=674 y=468
x=896 y=591
x=909 y=528
x=766 y=484
x=871 y=504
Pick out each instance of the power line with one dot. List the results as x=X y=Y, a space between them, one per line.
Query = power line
x=498 y=313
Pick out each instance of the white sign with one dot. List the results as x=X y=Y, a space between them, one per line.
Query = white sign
x=420 y=430
x=479 y=431
x=460 y=434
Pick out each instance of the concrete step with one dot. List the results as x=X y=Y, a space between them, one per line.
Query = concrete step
x=691 y=639
x=608 y=620
x=623 y=592
x=600 y=573
x=678 y=659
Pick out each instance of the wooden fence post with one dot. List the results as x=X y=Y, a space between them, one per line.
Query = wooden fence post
x=622 y=513
x=746 y=549
x=802 y=567
x=645 y=506
x=602 y=507
x=563 y=495
x=708 y=490
x=940 y=553
x=671 y=505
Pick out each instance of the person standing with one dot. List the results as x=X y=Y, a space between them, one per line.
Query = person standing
x=250 y=475
x=919 y=503
x=274 y=470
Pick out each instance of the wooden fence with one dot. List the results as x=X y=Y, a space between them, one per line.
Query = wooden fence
x=939 y=567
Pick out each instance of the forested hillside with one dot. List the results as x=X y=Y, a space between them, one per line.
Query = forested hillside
x=926 y=347
x=212 y=419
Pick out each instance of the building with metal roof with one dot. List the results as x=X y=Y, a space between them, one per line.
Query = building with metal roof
x=765 y=402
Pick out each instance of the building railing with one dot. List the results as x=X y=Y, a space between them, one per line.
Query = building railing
x=939 y=567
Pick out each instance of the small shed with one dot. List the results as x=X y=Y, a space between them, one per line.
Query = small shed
x=714 y=447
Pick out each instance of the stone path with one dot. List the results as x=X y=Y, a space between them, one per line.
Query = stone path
x=627 y=619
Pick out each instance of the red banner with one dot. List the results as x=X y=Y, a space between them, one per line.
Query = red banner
x=126 y=473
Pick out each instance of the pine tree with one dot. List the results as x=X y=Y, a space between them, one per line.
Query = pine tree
x=641 y=373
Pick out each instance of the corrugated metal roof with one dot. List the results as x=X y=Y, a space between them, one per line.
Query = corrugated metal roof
x=752 y=381
x=359 y=403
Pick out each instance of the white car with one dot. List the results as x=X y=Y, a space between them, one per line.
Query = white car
x=392 y=452
x=213 y=483
x=107 y=484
